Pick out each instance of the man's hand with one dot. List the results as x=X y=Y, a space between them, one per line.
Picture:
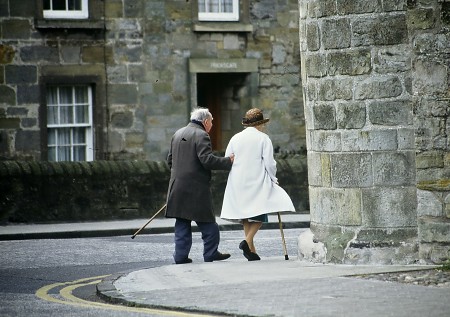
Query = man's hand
x=231 y=158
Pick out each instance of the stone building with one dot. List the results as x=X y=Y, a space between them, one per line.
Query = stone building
x=113 y=79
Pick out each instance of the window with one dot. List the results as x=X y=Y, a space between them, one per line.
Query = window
x=69 y=123
x=66 y=9
x=218 y=10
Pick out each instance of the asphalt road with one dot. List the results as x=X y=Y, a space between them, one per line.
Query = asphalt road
x=57 y=277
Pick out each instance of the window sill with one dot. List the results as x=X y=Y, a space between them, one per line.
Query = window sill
x=68 y=24
x=222 y=27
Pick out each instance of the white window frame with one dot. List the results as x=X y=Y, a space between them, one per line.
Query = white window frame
x=220 y=16
x=68 y=14
x=89 y=139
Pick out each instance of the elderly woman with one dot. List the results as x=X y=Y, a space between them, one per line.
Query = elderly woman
x=252 y=189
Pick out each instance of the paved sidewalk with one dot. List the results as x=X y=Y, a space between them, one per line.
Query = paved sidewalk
x=127 y=227
x=275 y=287
x=270 y=287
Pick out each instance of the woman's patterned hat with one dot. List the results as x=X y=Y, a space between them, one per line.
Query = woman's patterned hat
x=254 y=117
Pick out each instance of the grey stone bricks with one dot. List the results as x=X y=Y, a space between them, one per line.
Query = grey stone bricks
x=360 y=132
x=382 y=30
x=336 y=33
x=352 y=170
x=312 y=36
x=326 y=141
x=369 y=140
x=28 y=94
x=315 y=65
x=122 y=120
x=388 y=59
x=46 y=54
x=351 y=115
x=345 y=7
x=324 y=117
x=394 y=168
x=381 y=87
x=390 y=113
x=389 y=207
x=318 y=8
x=27 y=140
x=342 y=206
x=355 y=62
x=332 y=89
x=7 y=95
x=20 y=74
x=431 y=77
x=123 y=94
x=15 y=29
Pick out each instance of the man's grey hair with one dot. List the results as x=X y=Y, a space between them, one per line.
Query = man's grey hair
x=200 y=114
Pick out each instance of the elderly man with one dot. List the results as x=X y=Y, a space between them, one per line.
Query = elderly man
x=189 y=195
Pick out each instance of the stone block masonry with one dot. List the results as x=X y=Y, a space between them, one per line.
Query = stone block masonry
x=378 y=141
x=135 y=55
x=430 y=31
x=45 y=192
x=359 y=114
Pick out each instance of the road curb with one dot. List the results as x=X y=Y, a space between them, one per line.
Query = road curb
x=107 y=291
x=124 y=232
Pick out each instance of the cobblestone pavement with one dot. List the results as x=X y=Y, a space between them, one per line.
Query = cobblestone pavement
x=433 y=277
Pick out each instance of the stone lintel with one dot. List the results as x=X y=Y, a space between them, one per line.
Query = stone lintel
x=223 y=65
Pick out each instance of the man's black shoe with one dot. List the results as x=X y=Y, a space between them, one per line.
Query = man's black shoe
x=184 y=261
x=219 y=257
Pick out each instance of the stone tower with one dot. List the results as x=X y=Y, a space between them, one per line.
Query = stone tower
x=356 y=74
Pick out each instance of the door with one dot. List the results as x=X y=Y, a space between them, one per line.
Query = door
x=209 y=92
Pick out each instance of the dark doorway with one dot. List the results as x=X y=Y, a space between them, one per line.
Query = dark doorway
x=222 y=94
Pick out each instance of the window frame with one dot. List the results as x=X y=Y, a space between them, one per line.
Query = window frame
x=68 y=14
x=89 y=126
x=64 y=76
x=219 y=16
x=242 y=25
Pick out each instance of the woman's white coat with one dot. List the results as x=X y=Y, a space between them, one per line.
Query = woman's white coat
x=252 y=187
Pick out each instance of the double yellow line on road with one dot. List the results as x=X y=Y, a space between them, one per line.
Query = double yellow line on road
x=66 y=297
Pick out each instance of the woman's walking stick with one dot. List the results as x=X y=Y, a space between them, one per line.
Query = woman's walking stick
x=135 y=234
x=286 y=256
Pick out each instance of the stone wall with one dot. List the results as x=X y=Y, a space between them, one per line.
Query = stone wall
x=376 y=83
x=40 y=192
x=429 y=28
x=360 y=135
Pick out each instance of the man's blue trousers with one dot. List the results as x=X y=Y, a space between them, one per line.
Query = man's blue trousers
x=183 y=239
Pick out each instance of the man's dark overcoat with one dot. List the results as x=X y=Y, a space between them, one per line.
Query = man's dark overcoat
x=191 y=160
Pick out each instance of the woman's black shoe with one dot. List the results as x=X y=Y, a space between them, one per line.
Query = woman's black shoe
x=254 y=257
x=247 y=253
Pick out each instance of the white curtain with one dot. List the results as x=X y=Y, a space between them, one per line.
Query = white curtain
x=79 y=142
x=63 y=139
x=65 y=105
x=81 y=105
x=227 y=6
x=52 y=102
x=215 y=6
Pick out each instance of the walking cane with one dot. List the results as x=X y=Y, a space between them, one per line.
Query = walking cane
x=135 y=234
x=286 y=257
